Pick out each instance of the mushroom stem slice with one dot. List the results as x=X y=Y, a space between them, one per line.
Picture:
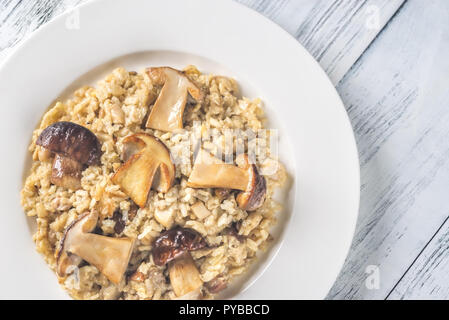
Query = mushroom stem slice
x=66 y=173
x=65 y=260
x=184 y=275
x=109 y=255
x=218 y=176
x=210 y=172
x=136 y=177
x=167 y=111
x=165 y=177
x=148 y=164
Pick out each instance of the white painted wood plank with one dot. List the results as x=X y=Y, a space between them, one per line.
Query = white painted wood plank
x=397 y=99
x=289 y=14
x=20 y=18
x=335 y=32
x=428 y=278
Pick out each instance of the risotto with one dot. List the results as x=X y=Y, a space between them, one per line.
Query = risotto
x=152 y=185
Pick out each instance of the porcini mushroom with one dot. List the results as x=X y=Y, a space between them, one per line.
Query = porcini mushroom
x=109 y=255
x=210 y=172
x=167 y=111
x=147 y=164
x=66 y=172
x=74 y=147
x=173 y=247
x=173 y=243
x=184 y=277
x=254 y=195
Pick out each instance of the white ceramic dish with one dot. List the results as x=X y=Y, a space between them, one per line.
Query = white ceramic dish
x=316 y=141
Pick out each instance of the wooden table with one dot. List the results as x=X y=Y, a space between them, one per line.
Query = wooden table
x=389 y=60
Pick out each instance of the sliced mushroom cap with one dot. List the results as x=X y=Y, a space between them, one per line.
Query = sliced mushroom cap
x=167 y=111
x=109 y=255
x=210 y=172
x=147 y=164
x=184 y=277
x=173 y=243
x=74 y=146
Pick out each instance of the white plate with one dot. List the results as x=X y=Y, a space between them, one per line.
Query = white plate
x=316 y=141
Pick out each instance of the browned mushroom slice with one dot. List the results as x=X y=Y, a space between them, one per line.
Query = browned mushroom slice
x=210 y=172
x=148 y=164
x=74 y=146
x=185 y=277
x=109 y=255
x=254 y=195
x=167 y=111
x=136 y=176
x=173 y=243
x=165 y=176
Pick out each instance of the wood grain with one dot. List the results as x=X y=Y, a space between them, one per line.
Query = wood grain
x=397 y=98
x=19 y=18
x=429 y=275
x=335 y=32
x=391 y=73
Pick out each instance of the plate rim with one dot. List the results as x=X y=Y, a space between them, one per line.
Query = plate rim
x=11 y=54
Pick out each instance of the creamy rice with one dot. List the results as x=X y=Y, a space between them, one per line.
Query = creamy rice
x=113 y=110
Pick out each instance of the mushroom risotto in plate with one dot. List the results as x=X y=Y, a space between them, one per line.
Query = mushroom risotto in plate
x=152 y=185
